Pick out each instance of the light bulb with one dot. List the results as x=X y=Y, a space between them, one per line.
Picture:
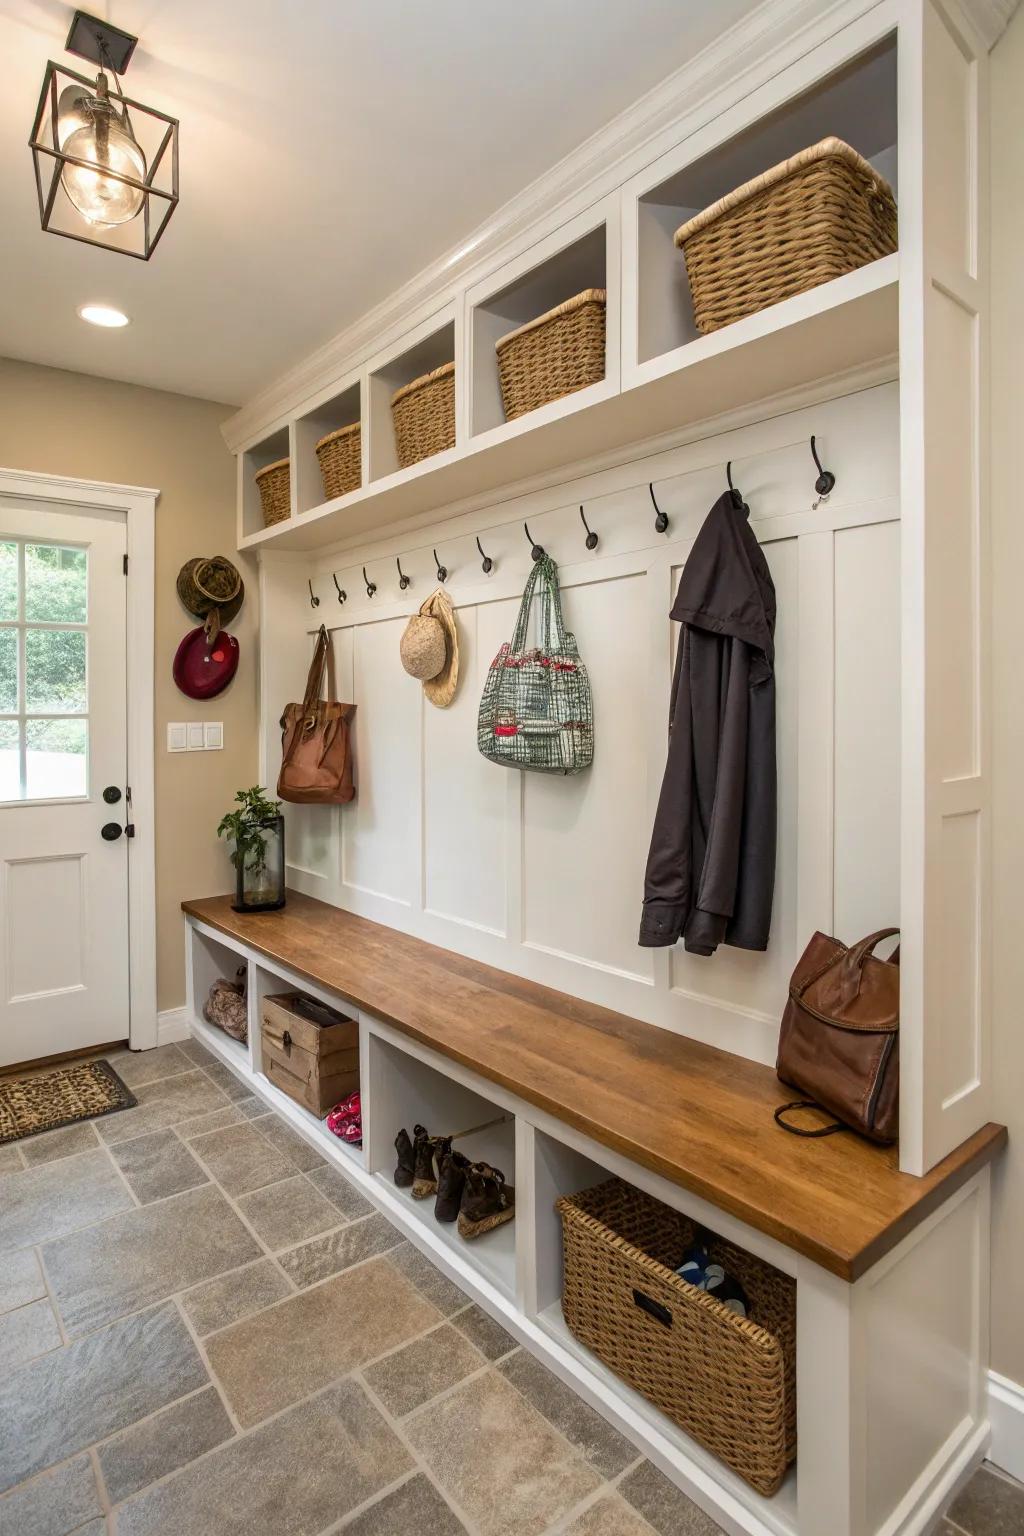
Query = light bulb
x=91 y=129
x=100 y=198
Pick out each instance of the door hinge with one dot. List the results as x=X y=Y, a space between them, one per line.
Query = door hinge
x=129 y=830
x=129 y=827
x=125 y=565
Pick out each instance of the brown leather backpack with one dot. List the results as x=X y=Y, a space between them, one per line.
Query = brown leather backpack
x=839 y=1042
x=316 y=747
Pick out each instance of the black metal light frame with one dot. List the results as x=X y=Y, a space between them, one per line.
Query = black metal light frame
x=48 y=183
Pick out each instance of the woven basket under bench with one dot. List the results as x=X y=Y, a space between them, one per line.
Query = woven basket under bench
x=728 y=1381
x=816 y=216
x=554 y=355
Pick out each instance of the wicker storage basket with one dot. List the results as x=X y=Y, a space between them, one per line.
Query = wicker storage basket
x=813 y=217
x=554 y=355
x=339 y=455
x=424 y=416
x=275 y=489
x=728 y=1381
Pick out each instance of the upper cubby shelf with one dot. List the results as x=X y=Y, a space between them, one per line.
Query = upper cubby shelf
x=856 y=103
x=660 y=374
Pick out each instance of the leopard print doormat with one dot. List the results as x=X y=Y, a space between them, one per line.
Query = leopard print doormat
x=31 y=1105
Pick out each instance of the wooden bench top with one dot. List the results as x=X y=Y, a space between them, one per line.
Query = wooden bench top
x=699 y=1116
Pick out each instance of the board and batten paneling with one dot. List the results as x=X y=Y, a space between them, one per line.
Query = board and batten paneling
x=543 y=876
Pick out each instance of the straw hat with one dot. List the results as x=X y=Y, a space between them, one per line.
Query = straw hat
x=208 y=583
x=430 y=649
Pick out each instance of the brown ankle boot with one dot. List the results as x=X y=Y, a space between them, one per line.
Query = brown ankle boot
x=487 y=1201
x=450 y=1184
x=405 y=1170
x=427 y=1154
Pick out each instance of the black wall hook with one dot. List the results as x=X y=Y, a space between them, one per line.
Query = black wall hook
x=591 y=535
x=737 y=499
x=826 y=480
x=661 y=520
x=536 y=550
x=342 y=594
x=488 y=563
x=371 y=586
x=314 y=601
x=403 y=579
x=442 y=570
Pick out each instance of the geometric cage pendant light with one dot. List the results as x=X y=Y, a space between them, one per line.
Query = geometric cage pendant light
x=106 y=166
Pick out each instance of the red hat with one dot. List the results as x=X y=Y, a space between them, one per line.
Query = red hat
x=203 y=668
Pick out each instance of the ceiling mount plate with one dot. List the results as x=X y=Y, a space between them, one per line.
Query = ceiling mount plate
x=106 y=46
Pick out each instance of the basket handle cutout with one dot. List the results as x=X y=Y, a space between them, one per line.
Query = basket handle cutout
x=648 y=1304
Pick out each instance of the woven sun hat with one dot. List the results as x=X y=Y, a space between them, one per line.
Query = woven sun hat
x=430 y=649
x=208 y=582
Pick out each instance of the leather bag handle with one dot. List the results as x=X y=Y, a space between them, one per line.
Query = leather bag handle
x=321 y=665
x=853 y=963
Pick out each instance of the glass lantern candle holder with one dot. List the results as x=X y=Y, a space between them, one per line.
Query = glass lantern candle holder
x=260 y=874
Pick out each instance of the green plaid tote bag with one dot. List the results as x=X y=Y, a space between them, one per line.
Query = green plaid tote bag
x=536 y=710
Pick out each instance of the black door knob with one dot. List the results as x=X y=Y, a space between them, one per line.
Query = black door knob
x=111 y=794
x=112 y=831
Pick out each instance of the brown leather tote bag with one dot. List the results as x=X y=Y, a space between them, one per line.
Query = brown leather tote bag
x=316 y=745
x=839 y=1042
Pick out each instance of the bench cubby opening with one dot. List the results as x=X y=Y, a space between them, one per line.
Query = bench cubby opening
x=560 y=1170
x=264 y=983
x=406 y=1091
x=208 y=960
x=856 y=103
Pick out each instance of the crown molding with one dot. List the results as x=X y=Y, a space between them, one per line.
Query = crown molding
x=736 y=63
x=990 y=18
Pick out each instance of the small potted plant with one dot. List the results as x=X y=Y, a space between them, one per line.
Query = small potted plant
x=257 y=830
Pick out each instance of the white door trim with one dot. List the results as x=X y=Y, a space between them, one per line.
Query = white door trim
x=138 y=503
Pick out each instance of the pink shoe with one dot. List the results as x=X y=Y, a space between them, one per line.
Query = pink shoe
x=345 y=1121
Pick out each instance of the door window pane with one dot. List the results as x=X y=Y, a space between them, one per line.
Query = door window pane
x=10 y=781
x=55 y=670
x=55 y=759
x=8 y=581
x=8 y=671
x=55 y=584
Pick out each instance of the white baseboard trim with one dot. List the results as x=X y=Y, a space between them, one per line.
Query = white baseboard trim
x=172 y=1025
x=1006 y=1415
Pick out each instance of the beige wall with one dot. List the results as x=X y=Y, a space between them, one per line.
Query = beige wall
x=70 y=424
x=1008 y=690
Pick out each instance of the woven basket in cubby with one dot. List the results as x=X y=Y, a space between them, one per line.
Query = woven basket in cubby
x=423 y=412
x=555 y=355
x=816 y=216
x=275 y=487
x=728 y=1381
x=339 y=455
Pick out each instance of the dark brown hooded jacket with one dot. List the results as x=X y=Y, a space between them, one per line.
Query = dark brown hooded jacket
x=711 y=868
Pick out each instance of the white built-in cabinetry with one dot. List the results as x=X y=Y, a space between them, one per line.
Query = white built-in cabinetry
x=884 y=764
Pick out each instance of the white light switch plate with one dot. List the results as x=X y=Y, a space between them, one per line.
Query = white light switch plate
x=214 y=735
x=196 y=740
x=177 y=737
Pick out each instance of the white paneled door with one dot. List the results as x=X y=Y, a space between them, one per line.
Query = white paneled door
x=63 y=793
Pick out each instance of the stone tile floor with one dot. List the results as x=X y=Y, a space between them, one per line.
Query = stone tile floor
x=205 y=1328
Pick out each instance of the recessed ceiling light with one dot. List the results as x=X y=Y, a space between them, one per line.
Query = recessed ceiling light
x=103 y=314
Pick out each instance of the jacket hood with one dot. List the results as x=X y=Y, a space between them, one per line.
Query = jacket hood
x=726 y=586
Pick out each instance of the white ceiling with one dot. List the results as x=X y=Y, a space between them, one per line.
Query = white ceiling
x=329 y=150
